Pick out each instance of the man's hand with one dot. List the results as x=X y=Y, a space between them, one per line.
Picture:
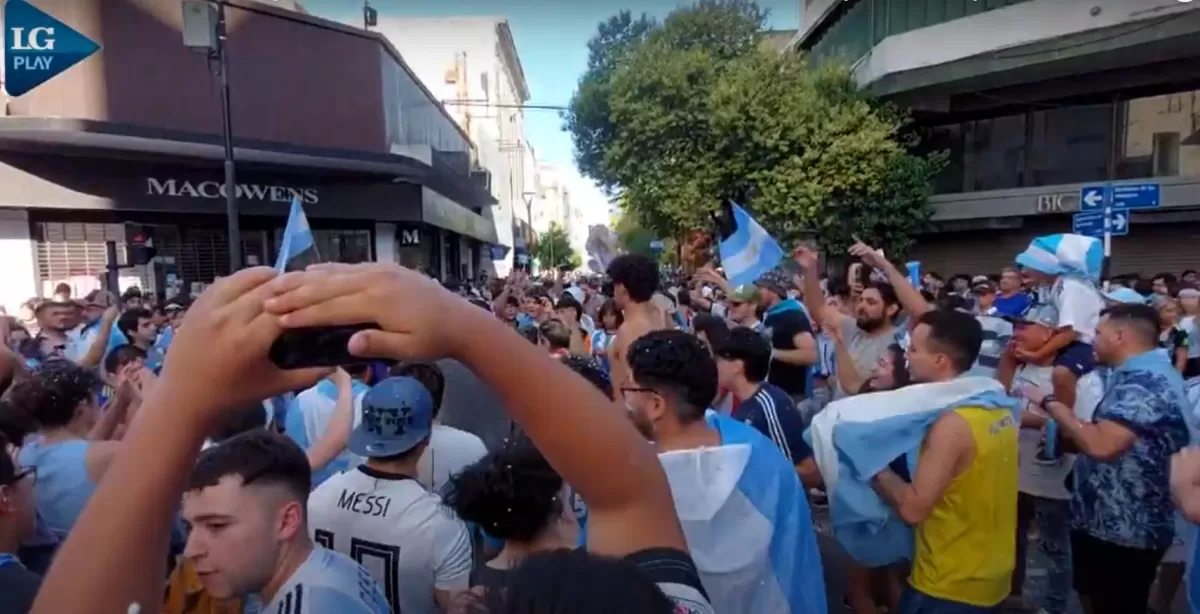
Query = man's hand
x=869 y=255
x=805 y=257
x=418 y=318
x=219 y=360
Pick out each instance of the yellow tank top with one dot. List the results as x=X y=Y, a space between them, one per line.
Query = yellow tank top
x=966 y=548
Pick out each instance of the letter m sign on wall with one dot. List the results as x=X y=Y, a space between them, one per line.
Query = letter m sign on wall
x=37 y=47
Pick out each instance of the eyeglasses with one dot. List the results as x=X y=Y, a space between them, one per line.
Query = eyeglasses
x=627 y=390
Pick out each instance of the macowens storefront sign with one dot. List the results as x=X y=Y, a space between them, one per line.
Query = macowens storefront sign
x=216 y=189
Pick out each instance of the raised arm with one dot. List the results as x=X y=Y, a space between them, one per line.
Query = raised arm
x=910 y=298
x=596 y=449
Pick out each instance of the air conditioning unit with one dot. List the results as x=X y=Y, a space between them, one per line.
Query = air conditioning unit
x=482 y=178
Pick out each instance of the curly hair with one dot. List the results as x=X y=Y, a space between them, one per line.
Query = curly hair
x=512 y=493
x=54 y=392
x=677 y=366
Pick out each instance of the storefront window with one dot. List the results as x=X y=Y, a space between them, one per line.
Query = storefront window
x=1159 y=136
x=413 y=118
x=994 y=153
x=1069 y=144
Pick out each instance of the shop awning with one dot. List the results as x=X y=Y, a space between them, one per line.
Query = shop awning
x=90 y=134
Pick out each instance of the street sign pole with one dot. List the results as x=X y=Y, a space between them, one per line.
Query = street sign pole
x=1107 y=236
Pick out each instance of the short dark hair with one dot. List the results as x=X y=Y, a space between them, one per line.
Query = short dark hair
x=1142 y=318
x=44 y=305
x=1168 y=278
x=52 y=393
x=258 y=457
x=749 y=347
x=714 y=328
x=568 y=302
x=556 y=334
x=238 y=421
x=122 y=355
x=637 y=273
x=677 y=366
x=431 y=377
x=886 y=291
x=128 y=322
x=957 y=334
x=609 y=306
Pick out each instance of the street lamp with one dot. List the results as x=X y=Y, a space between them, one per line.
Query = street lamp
x=528 y=198
x=204 y=32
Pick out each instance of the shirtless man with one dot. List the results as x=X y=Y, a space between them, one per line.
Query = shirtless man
x=634 y=280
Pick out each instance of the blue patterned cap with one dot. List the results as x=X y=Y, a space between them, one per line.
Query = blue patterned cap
x=397 y=414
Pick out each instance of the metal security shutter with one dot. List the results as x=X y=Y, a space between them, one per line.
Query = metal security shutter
x=970 y=253
x=1155 y=248
x=71 y=252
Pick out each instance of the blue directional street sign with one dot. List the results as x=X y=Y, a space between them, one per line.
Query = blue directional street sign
x=1135 y=196
x=1120 y=196
x=1093 y=197
x=1091 y=224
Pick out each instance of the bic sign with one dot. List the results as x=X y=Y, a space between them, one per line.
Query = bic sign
x=37 y=47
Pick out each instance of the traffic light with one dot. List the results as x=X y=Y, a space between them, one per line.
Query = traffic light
x=139 y=247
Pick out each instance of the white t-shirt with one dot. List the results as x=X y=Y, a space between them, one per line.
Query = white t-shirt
x=1079 y=305
x=1048 y=478
x=329 y=582
x=450 y=450
x=402 y=534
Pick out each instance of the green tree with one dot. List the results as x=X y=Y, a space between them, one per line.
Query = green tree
x=587 y=118
x=553 y=249
x=695 y=113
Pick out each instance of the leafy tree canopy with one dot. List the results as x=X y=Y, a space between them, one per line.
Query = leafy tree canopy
x=553 y=249
x=682 y=116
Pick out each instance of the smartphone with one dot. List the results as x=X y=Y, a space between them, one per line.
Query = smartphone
x=317 y=346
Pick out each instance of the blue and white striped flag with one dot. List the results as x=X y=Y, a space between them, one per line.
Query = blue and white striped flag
x=749 y=251
x=747 y=523
x=1065 y=254
x=297 y=241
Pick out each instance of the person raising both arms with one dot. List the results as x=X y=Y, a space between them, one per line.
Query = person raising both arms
x=634 y=279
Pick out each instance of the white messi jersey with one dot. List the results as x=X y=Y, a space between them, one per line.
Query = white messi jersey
x=329 y=582
x=402 y=533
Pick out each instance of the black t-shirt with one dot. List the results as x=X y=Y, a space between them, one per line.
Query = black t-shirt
x=673 y=571
x=781 y=328
x=18 y=587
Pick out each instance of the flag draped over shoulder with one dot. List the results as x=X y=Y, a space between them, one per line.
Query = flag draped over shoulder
x=855 y=438
x=297 y=246
x=748 y=251
x=747 y=523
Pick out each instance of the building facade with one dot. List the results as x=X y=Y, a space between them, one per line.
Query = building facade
x=471 y=65
x=1034 y=100
x=129 y=141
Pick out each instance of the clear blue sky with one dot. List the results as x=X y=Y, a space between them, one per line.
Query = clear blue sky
x=551 y=37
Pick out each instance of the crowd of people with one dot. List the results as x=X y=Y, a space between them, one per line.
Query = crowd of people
x=665 y=440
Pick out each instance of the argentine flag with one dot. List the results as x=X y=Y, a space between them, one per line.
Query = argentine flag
x=747 y=524
x=297 y=248
x=749 y=251
x=855 y=438
x=1065 y=254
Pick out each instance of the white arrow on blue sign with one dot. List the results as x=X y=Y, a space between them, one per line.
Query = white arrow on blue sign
x=1120 y=196
x=1093 y=197
x=1091 y=224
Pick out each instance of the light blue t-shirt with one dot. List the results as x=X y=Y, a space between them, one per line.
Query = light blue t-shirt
x=328 y=582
